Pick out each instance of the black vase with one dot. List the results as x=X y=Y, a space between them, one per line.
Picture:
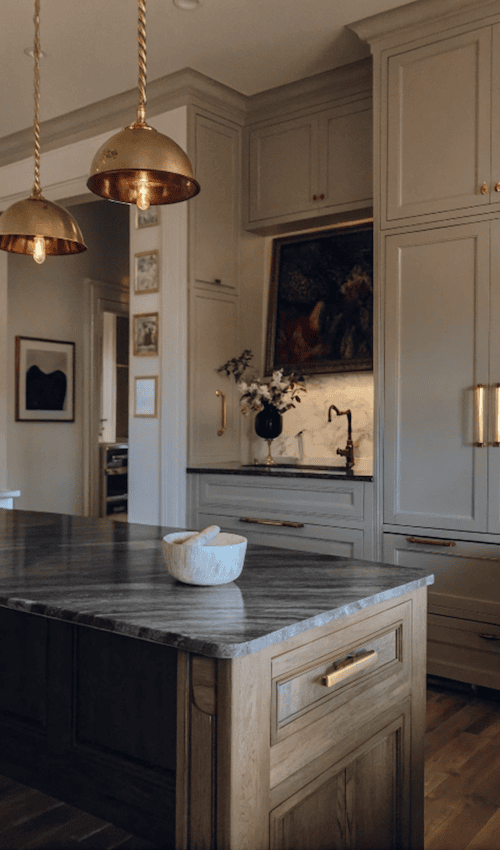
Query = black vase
x=268 y=425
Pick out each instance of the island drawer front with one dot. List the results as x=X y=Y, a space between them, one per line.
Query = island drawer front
x=313 y=501
x=464 y=650
x=325 y=540
x=379 y=647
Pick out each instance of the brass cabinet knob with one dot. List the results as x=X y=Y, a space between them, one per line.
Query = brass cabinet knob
x=319 y=197
x=484 y=189
x=497 y=187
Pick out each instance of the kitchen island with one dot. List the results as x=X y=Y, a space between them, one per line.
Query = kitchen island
x=282 y=711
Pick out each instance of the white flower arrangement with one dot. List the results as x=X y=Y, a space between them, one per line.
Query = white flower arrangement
x=282 y=391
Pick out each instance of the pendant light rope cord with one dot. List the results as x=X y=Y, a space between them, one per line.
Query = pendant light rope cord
x=141 y=109
x=37 y=192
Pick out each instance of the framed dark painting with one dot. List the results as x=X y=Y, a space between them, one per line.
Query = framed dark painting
x=320 y=316
x=45 y=380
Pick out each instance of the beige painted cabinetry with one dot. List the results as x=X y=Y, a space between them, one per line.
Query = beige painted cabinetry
x=213 y=297
x=311 y=157
x=331 y=517
x=437 y=140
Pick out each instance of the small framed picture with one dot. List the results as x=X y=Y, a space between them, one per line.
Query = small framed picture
x=145 y=396
x=45 y=380
x=146 y=218
x=147 y=272
x=145 y=331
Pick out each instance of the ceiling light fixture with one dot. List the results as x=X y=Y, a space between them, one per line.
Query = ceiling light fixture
x=36 y=226
x=139 y=165
x=186 y=4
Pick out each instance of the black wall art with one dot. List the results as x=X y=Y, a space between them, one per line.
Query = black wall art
x=45 y=377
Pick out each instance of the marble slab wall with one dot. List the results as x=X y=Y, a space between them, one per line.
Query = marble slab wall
x=319 y=439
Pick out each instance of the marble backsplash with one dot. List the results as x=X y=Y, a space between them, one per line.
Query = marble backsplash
x=308 y=436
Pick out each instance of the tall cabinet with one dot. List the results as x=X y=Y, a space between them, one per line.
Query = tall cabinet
x=437 y=222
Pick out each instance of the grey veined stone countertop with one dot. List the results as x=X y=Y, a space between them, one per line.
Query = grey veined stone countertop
x=112 y=576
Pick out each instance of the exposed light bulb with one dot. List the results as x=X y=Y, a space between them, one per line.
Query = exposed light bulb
x=143 y=194
x=39 y=250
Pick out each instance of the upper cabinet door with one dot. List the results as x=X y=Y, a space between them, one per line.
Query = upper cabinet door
x=346 y=173
x=436 y=353
x=283 y=168
x=439 y=127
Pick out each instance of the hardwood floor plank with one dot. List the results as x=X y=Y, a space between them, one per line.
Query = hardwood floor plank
x=488 y=838
x=457 y=752
x=461 y=828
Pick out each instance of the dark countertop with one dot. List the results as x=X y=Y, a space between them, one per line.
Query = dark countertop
x=111 y=576
x=285 y=471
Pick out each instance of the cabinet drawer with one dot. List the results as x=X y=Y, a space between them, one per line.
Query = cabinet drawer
x=466 y=650
x=325 y=540
x=307 y=717
x=318 y=502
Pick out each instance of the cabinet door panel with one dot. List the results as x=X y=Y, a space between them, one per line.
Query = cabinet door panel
x=349 y=172
x=216 y=208
x=436 y=329
x=494 y=393
x=213 y=340
x=282 y=176
x=439 y=126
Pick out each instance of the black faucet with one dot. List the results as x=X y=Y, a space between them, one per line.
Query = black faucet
x=348 y=452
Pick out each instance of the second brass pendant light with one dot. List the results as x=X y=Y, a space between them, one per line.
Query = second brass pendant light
x=139 y=165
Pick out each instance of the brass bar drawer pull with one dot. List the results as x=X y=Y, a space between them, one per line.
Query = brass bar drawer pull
x=426 y=541
x=479 y=402
x=489 y=637
x=349 y=667
x=223 y=413
x=496 y=441
x=284 y=522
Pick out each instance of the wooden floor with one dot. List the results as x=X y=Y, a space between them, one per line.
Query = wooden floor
x=462 y=787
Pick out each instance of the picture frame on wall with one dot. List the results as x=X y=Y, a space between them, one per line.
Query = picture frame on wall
x=146 y=396
x=146 y=218
x=147 y=272
x=145 y=334
x=320 y=313
x=45 y=380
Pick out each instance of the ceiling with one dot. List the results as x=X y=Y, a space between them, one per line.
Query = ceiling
x=91 y=47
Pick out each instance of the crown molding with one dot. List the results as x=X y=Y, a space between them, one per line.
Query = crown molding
x=181 y=88
x=378 y=26
x=319 y=89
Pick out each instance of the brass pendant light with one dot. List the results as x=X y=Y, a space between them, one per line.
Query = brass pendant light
x=139 y=165
x=36 y=226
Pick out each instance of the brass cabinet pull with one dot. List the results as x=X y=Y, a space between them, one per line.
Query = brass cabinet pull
x=223 y=413
x=319 y=197
x=349 y=667
x=429 y=542
x=284 y=522
x=496 y=441
x=484 y=189
x=479 y=404
x=489 y=637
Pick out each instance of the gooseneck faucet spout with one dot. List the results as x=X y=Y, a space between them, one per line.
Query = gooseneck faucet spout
x=348 y=452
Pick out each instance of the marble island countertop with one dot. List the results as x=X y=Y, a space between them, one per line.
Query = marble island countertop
x=285 y=470
x=112 y=576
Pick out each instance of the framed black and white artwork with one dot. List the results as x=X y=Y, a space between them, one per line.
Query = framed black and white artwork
x=45 y=380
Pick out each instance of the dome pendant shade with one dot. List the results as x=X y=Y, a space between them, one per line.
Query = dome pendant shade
x=139 y=157
x=32 y=217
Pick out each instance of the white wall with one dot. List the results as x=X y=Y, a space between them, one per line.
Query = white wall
x=49 y=302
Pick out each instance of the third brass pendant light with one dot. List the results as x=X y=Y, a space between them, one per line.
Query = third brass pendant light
x=35 y=225
x=139 y=165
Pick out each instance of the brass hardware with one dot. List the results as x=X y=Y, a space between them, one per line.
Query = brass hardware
x=489 y=637
x=139 y=165
x=349 y=666
x=479 y=404
x=497 y=187
x=223 y=412
x=496 y=441
x=319 y=197
x=285 y=522
x=34 y=225
x=428 y=542
x=217 y=280
x=484 y=189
